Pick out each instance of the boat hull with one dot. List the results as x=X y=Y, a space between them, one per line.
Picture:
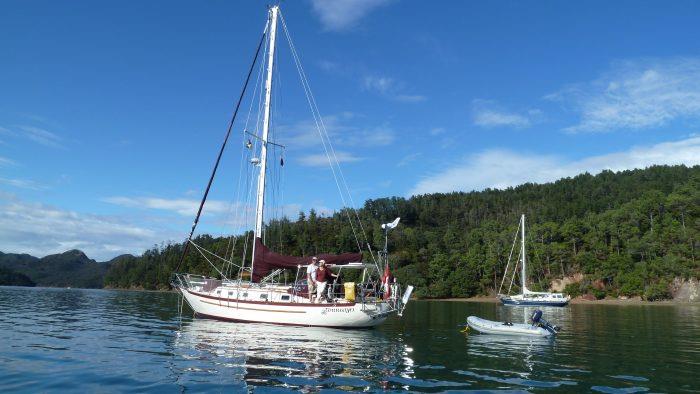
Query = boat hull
x=516 y=302
x=337 y=315
x=500 y=328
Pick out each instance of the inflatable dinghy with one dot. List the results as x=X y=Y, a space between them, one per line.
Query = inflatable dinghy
x=539 y=328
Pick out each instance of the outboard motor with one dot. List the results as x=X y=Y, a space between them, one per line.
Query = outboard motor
x=538 y=321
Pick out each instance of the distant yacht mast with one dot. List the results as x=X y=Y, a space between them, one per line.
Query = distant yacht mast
x=266 y=128
x=526 y=297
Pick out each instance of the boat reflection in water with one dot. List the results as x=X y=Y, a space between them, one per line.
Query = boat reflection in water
x=309 y=358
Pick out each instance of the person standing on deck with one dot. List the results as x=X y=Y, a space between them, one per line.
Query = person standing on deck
x=323 y=275
x=311 y=277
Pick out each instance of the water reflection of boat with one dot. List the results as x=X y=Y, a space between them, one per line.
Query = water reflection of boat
x=531 y=350
x=269 y=355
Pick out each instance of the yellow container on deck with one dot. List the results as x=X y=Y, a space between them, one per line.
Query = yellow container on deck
x=350 y=291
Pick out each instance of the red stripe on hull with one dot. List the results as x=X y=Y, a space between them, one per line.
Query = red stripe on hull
x=202 y=315
x=299 y=304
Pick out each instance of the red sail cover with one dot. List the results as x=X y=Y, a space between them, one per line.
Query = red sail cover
x=266 y=260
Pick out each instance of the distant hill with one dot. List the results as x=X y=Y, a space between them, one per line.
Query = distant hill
x=12 y=278
x=69 y=269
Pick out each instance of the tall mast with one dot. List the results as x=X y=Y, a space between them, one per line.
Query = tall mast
x=522 y=252
x=266 y=127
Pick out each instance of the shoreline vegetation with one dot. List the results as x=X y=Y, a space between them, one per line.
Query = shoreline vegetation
x=477 y=299
x=628 y=234
x=582 y=301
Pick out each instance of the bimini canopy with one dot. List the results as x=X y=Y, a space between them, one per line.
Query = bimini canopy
x=267 y=260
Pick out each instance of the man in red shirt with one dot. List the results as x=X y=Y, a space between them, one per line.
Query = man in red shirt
x=323 y=275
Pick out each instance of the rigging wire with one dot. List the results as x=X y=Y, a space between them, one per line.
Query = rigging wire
x=244 y=159
x=251 y=175
x=318 y=119
x=221 y=151
x=327 y=146
x=202 y=250
x=276 y=194
x=505 y=272
x=515 y=271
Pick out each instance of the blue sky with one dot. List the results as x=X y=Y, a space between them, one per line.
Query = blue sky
x=111 y=113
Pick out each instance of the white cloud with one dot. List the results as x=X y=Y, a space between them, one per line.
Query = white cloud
x=328 y=66
x=408 y=159
x=304 y=134
x=181 y=206
x=223 y=216
x=390 y=88
x=499 y=168
x=41 y=136
x=378 y=84
x=6 y=131
x=324 y=211
x=291 y=211
x=338 y=15
x=5 y=162
x=491 y=118
x=487 y=114
x=40 y=230
x=410 y=98
x=35 y=134
x=320 y=160
x=636 y=95
x=372 y=137
x=22 y=184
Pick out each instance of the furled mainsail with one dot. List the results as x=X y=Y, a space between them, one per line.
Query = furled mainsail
x=267 y=260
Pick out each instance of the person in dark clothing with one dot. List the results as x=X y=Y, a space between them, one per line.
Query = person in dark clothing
x=323 y=275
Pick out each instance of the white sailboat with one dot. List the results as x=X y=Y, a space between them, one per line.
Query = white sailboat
x=262 y=292
x=526 y=296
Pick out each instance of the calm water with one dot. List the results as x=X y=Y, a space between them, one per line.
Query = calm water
x=107 y=341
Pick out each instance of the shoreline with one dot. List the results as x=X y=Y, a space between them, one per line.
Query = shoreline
x=578 y=301
x=478 y=299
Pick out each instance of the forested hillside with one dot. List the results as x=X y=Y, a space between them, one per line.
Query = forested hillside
x=12 y=278
x=628 y=233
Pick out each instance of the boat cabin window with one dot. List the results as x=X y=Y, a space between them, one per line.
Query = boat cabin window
x=285 y=298
x=245 y=295
x=263 y=296
x=230 y=293
x=218 y=292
